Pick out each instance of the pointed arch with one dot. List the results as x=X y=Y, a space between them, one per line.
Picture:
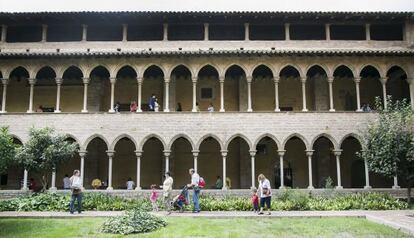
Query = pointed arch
x=261 y=64
x=71 y=136
x=258 y=139
x=321 y=66
x=245 y=138
x=350 y=135
x=327 y=136
x=181 y=135
x=212 y=65
x=301 y=137
x=219 y=141
x=186 y=66
x=241 y=66
x=147 y=137
x=294 y=66
x=345 y=67
x=118 y=138
x=153 y=65
x=90 y=138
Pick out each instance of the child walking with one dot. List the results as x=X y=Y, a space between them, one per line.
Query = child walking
x=153 y=198
x=255 y=200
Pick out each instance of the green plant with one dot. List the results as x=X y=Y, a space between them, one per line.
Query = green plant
x=134 y=221
x=7 y=150
x=329 y=183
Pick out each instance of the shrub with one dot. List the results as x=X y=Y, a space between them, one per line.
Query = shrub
x=134 y=221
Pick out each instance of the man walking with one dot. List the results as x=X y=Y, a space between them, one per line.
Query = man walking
x=195 y=179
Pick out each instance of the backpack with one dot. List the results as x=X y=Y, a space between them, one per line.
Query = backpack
x=201 y=183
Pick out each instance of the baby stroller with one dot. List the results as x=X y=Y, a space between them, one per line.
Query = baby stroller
x=181 y=199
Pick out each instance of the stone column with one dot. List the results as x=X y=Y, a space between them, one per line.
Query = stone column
x=309 y=153
x=357 y=80
x=337 y=154
x=58 y=86
x=396 y=186
x=246 y=32
x=110 y=154
x=44 y=33
x=195 y=155
x=165 y=34
x=167 y=154
x=222 y=94
x=282 y=176
x=82 y=155
x=303 y=80
x=224 y=156
x=25 y=175
x=249 y=93
x=84 y=32
x=328 y=32
x=85 y=95
x=53 y=182
x=384 y=91
x=139 y=101
x=5 y=82
x=287 y=32
x=367 y=32
x=138 y=154
x=410 y=83
x=124 y=32
x=276 y=80
x=331 y=103
x=111 y=108
x=3 y=33
x=206 y=37
x=194 y=109
x=367 y=186
x=32 y=82
x=167 y=95
x=252 y=155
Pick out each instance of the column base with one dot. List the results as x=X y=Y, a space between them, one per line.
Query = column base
x=359 y=110
x=396 y=187
x=57 y=111
x=367 y=187
x=111 y=111
x=25 y=189
x=84 y=111
x=166 y=110
x=310 y=187
x=29 y=111
x=224 y=188
x=332 y=110
x=277 y=110
x=281 y=187
x=3 y=112
x=139 y=110
x=222 y=110
x=53 y=189
x=109 y=188
x=249 y=110
x=193 y=110
x=304 y=110
x=339 y=187
x=138 y=188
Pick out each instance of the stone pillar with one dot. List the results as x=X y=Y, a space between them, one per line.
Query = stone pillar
x=58 y=86
x=367 y=32
x=85 y=95
x=84 y=32
x=410 y=83
x=224 y=156
x=357 y=80
x=111 y=108
x=328 y=32
x=167 y=154
x=396 y=186
x=25 y=175
x=138 y=154
x=3 y=33
x=5 y=82
x=53 y=182
x=195 y=155
x=287 y=32
x=32 y=82
x=165 y=34
x=194 y=109
x=139 y=109
x=309 y=153
x=246 y=32
x=82 y=155
x=252 y=161
x=249 y=93
x=337 y=154
x=303 y=80
x=276 y=81
x=384 y=91
x=331 y=103
x=44 y=33
x=167 y=95
x=367 y=186
x=222 y=94
x=282 y=176
x=110 y=157
x=124 y=32
x=206 y=37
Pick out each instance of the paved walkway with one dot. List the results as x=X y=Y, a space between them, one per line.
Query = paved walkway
x=402 y=220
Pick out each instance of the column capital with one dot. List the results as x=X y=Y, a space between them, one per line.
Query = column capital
x=281 y=152
x=59 y=81
x=309 y=152
x=167 y=79
x=276 y=79
x=86 y=80
x=252 y=152
x=82 y=153
x=5 y=81
x=112 y=80
x=303 y=79
x=110 y=153
x=167 y=153
x=337 y=152
x=194 y=79
x=32 y=81
x=409 y=80
x=221 y=78
x=249 y=78
x=139 y=80
x=330 y=79
x=195 y=152
x=357 y=79
x=384 y=80
x=223 y=153
x=138 y=153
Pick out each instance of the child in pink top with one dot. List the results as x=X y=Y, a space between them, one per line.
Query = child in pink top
x=153 y=198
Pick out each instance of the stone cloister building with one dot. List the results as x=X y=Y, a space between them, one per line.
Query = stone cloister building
x=288 y=91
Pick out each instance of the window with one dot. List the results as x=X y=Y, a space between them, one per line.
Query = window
x=266 y=32
x=386 y=32
x=206 y=93
x=307 y=32
x=226 y=32
x=347 y=32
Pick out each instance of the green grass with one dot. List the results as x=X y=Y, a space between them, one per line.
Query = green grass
x=205 y=227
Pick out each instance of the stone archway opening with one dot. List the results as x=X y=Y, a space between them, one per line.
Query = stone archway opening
x=67 y=167
x=344 y=91
x=295 y=165
x=208 y=88
x=235 y=89
x=263 y=89
x=124 y=163
x=352 y=168
x=317 y=91
x=181 y=160
x=370 y=86
x=266 y=159
x=210 y=163
x=397 y=85
x=44 y=97
x=323 y=163
x=96 y=163
x=13 y=178
x=99 y=90
x=72 y=90
x=152 y=166
x=181 y=89
x=290 y=92
x=238 y=164
x=152 y=84
x=126 y=88
x=18 y=90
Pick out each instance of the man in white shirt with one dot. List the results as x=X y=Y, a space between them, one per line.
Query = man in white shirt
x=195 y=179
x=66 y=182
x=130 y=184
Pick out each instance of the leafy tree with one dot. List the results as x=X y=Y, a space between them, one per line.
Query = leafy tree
x=44 y=151
x=388 y=142
x=7 y=150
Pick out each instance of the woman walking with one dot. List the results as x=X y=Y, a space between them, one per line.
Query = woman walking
x=76 y=190
x=265 y=194
x=167 y=189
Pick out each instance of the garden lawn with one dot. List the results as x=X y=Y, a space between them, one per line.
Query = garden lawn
x=205 y=227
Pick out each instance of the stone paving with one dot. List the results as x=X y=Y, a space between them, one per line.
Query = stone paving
x=402 y=220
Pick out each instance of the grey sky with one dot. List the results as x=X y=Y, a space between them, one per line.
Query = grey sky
x=205 y=5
